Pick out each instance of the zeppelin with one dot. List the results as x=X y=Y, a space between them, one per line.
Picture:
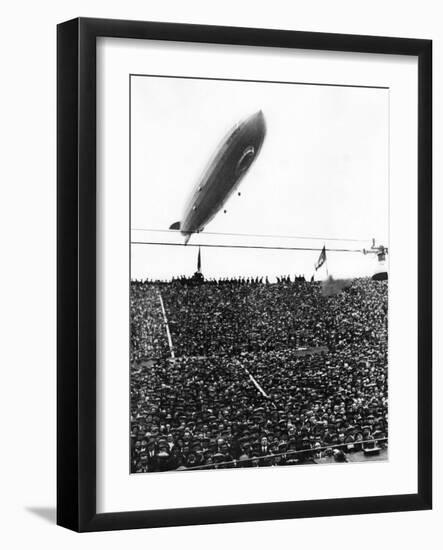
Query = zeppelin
x=223 y=174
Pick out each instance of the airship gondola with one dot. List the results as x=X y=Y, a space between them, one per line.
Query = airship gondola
x=223 y=174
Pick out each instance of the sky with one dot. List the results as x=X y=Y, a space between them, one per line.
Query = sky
x=323 y=171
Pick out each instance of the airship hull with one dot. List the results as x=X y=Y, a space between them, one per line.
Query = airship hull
x=223 y=174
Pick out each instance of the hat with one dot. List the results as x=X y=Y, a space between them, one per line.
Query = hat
x=219 y=457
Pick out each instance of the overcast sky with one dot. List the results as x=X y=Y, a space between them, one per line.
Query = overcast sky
x=322 y=171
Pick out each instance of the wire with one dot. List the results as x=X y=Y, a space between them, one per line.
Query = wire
x=302 y=237
x=300 y=248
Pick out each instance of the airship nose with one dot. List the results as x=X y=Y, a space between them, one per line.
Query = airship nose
x=258 y=121
x=259 y=116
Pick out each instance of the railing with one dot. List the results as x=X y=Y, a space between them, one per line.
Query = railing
x=235 y=462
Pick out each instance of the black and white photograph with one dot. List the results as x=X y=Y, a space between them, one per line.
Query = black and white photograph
x=259 y=273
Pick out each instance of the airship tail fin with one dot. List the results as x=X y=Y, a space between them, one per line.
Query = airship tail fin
x=175 y=226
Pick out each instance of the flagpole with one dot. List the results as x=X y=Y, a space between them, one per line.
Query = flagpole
x=326 y=262
x=199 y=266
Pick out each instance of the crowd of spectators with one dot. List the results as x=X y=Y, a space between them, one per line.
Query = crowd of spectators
x=147 y=324
x=232 y=317
x=241 y=391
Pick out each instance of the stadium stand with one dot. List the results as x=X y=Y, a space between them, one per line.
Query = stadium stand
x=240 y=391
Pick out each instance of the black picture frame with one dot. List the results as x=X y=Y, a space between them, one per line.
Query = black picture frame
x=76 y=274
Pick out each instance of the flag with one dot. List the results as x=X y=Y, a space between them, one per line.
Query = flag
x=321 y=259
x=199 y=262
